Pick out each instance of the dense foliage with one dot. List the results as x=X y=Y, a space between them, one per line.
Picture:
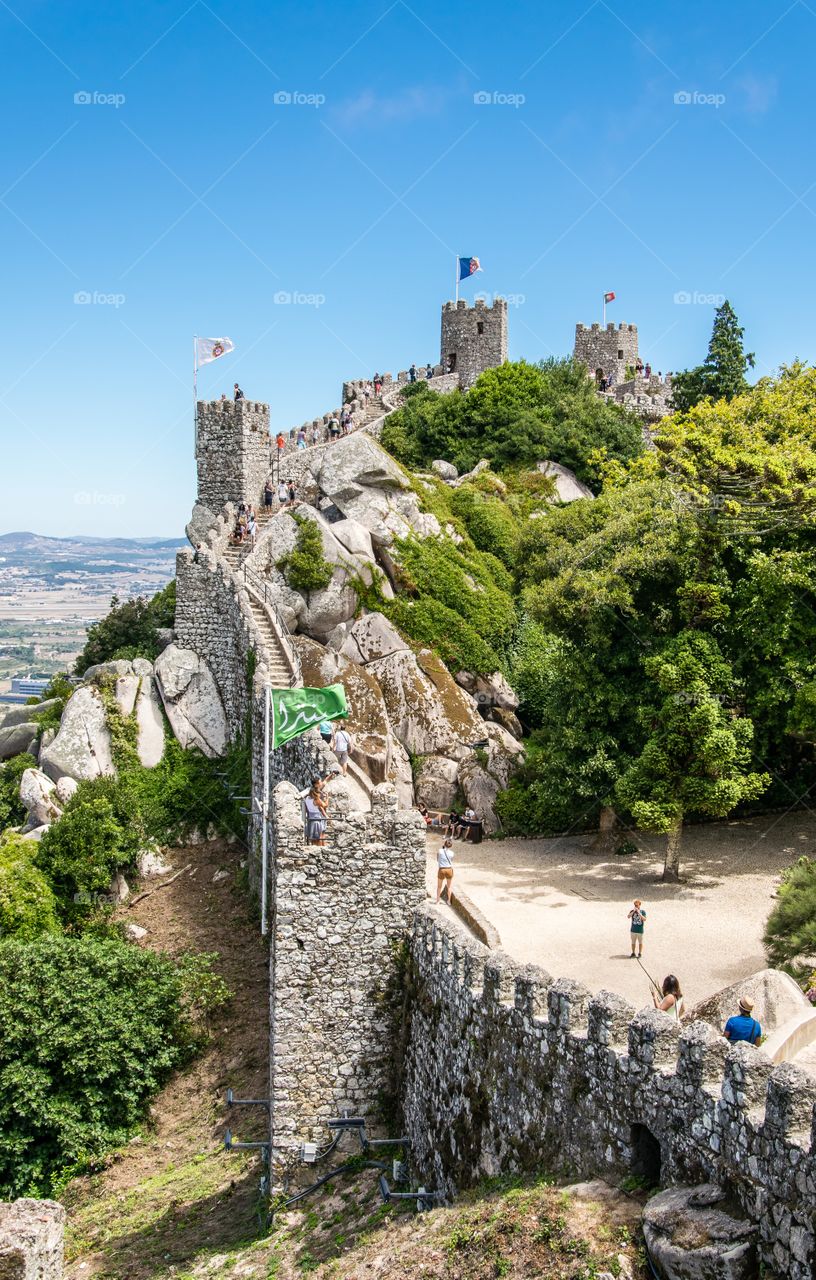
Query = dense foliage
x=305 y=568
x=28 y=907
x=12 y=811
x=89 y=1030
x=790 y=934
x=130 y=629
x=722 y=375
x=516 y=415
x=667 y=656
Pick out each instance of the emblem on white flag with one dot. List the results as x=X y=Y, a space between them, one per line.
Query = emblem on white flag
x=209 y=349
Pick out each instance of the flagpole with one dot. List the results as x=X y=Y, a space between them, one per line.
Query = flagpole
x=195 y=390
x=265 y=814
x=456 y=276
x=604 y=311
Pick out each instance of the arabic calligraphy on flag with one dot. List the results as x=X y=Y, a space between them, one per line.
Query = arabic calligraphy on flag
x=209 y=349
x=296 y=710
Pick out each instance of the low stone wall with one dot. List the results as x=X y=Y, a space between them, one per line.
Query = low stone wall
x=508 y=1070
x=31 y=1240
x=338 y=911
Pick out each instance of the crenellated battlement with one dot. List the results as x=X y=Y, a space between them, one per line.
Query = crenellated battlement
x=508 y=1069
x=233 y=451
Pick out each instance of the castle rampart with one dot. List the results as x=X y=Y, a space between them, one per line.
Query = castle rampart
x=508 y=1069
x=338 y=910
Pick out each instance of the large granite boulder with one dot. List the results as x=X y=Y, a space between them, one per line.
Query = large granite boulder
x=372 y=637
x=504 y=753
x=38 y=796
x=437 y=783
x=489 y=691
x=369 y=487
x=149 y=723
x=445 y=470
x=696 y=1233
x=480 y=789
x=567 y=485
x=776 y=998
x=199 y=525
x=416 y=711
x=82 y=747
x=367 y=720
x=14 y=715
x=15 y=738
x=116 y=667
x=191 y=700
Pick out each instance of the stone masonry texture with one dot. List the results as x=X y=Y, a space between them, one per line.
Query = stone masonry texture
x=508 y=1070
x=476 y=337
x=233 y=452
x=31 y=1240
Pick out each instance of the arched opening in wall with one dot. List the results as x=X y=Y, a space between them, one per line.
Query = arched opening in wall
x=599 y=373
x=452 y=362
x=646 y=1156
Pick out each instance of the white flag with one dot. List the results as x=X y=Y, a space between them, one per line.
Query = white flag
x=208 y=349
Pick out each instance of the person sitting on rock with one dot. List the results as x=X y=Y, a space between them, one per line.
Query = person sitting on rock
x=237 y=392
x=743 y=1026
x=429 y=373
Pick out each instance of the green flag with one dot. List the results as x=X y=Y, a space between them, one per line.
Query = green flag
x=296 y=710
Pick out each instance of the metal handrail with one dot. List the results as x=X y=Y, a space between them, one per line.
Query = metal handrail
x=254 y=582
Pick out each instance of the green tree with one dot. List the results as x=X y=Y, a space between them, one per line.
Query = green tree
x=790 y=933
x=697 y=756
x=80 y=853
x=130 y=629
x=722 y=375
x=89 y=1030
x=12 y=812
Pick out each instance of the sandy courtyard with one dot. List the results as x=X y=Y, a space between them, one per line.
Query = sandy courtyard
x=564 y=909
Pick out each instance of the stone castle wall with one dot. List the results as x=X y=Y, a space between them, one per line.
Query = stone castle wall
x=509 y=1070
x=476 y=336
x=233 y=451
x=338 y=911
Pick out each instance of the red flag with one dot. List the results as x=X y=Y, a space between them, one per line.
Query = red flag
x=609 y=297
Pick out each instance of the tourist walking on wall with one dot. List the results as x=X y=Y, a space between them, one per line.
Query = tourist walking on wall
x=325 y=731
x=291 y=492
x=743 y=1026
x=637 y=920
x=237 y=392
x=280 y=441
x=252 y=524
x=269 y=493
x=429 y=372
x=412 y=373
x=444 y=869
x=283 y=493
x=672 y=997
x=301 y=439
x=341 y=746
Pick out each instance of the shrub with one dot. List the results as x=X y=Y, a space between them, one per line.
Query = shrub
x=305 y=568
x=89 y=1030
x=433 y=625
x=80 y=853
x=130 y=629
x=489 y=521
x=27 y=905
x=791 y=928
x=12 y=812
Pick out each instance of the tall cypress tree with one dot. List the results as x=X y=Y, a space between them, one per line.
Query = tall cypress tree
x=722 y=376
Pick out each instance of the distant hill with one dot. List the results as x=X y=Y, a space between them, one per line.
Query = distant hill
x=27 y=541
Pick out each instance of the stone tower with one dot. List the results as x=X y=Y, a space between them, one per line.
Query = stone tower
x=608 y=350
x=473 y=338
x=233 y=452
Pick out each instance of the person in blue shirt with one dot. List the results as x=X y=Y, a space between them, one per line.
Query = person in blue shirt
x=743 y=1026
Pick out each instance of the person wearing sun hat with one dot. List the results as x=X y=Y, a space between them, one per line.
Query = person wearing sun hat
x=743 y=1026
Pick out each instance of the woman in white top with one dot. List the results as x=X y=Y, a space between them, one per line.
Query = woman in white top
x=672 y=1001
x=444 y=862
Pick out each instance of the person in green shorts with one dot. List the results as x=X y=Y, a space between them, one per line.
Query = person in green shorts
x=637 y=919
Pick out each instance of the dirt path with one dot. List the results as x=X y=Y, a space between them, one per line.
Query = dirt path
x=174 y=1192
x=563 y=908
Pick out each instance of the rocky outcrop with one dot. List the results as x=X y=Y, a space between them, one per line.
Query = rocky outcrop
x=191 y=700
x=149 y=723
x=372 y=637
x=437 y=783
x=367 y=486
x=82 y=747
x=445 y=470
x=489 y=691
x=31 y=1240
x=65 y=789
x=367 y=721
x=775 y=996
x=199 y=524
x=38 y=795
x=415 y=709
x=16 y=738
x=567 y=485
x=693 y=1233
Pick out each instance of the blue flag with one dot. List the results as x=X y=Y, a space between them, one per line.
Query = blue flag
x=468 y=267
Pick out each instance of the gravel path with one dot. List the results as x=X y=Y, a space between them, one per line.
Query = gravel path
x=556 y=904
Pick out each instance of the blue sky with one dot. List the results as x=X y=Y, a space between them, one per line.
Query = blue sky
x=183 y=197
